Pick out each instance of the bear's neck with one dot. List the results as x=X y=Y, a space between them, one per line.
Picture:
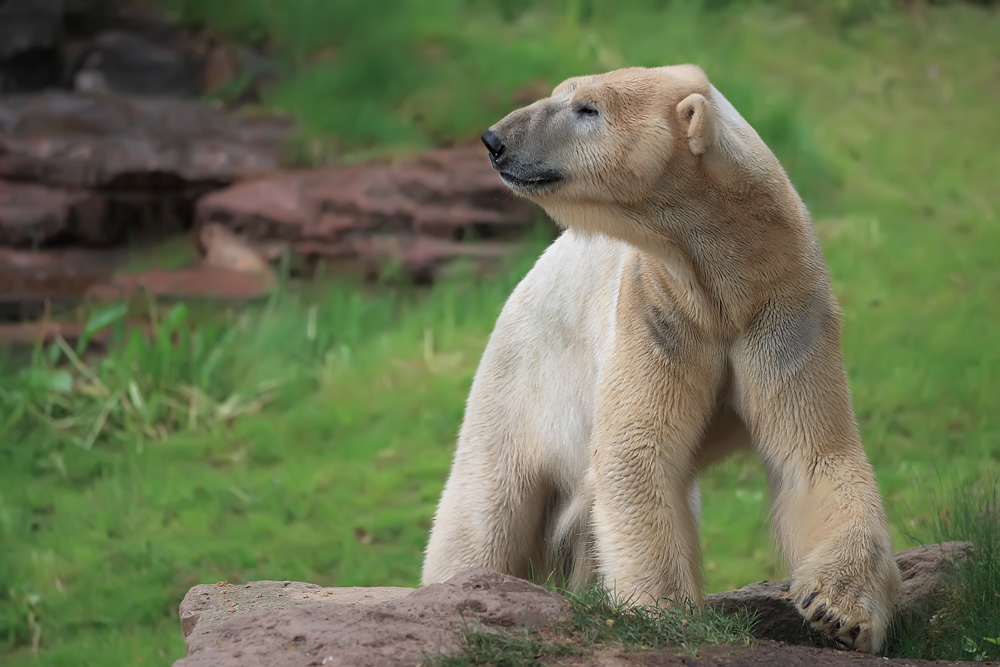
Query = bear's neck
x=723 y=264
x=729 y=260
x=724 y=254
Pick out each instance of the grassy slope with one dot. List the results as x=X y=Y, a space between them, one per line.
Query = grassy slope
x=336 y=481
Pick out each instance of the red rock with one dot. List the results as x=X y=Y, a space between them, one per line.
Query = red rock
x=271 y=207
x=439 y=193
x=411 y=214
x=27 y=276
x=31 y=214
x=197 y=282
x=132 y=143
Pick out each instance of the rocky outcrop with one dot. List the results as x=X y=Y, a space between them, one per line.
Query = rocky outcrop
x=289 y=623
x=92 y=169
x=414 y=217
x=439 y=206
x=450 y=193
x=133 y=143
x=96 y=170
x=127 y=158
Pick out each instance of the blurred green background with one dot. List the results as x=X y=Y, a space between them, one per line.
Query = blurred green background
x=309 y=438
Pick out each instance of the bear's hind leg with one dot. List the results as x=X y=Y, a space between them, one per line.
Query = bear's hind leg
x=489 y=517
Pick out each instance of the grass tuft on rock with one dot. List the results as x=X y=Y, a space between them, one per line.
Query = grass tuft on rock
x=595 y=618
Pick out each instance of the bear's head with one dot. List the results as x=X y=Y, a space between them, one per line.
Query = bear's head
x=629 y=141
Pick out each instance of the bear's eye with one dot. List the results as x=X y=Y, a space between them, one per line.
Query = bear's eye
x=587 y=110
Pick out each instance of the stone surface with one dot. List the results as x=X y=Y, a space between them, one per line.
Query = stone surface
x=777 y=617
x=229 y=269
x=111 y=47
x=85 y=20
x=28 y=279
x=922 y=568
x=759 y=654
x=397 y=627
x=129 y=143
x=32 y=214
x=126 y=62
x=414 y=219
x=445 y=193
x=198 y=282
x=206 y=606
x=95 y=170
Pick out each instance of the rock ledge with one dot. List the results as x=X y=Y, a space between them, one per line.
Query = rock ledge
x=291 y=624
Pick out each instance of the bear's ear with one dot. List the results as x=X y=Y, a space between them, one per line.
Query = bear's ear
x=697 y=116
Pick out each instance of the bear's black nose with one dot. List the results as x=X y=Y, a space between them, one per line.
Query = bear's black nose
x=493 y=143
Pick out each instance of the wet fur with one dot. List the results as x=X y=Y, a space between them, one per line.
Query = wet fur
x=686 y=312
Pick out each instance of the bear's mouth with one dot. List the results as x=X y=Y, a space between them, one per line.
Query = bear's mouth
x=534 y=182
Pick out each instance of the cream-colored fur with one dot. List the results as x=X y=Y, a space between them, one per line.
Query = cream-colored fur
x=685 y=312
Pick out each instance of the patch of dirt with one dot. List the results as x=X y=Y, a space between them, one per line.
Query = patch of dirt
x=772 y=654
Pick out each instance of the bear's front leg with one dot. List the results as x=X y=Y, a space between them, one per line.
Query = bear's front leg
x=791 y=389
x=652 y=411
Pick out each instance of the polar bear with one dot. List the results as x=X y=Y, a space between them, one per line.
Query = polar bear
x=685 y=312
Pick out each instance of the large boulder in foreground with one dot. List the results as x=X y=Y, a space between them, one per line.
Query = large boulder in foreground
x=290 y=624
x=287 y=623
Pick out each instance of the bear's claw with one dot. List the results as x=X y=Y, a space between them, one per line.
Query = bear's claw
x=827 y=618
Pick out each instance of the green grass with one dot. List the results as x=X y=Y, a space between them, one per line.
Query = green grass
x=342 y=467
x=966 y=622
x=412 y=74
x=347 y=400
